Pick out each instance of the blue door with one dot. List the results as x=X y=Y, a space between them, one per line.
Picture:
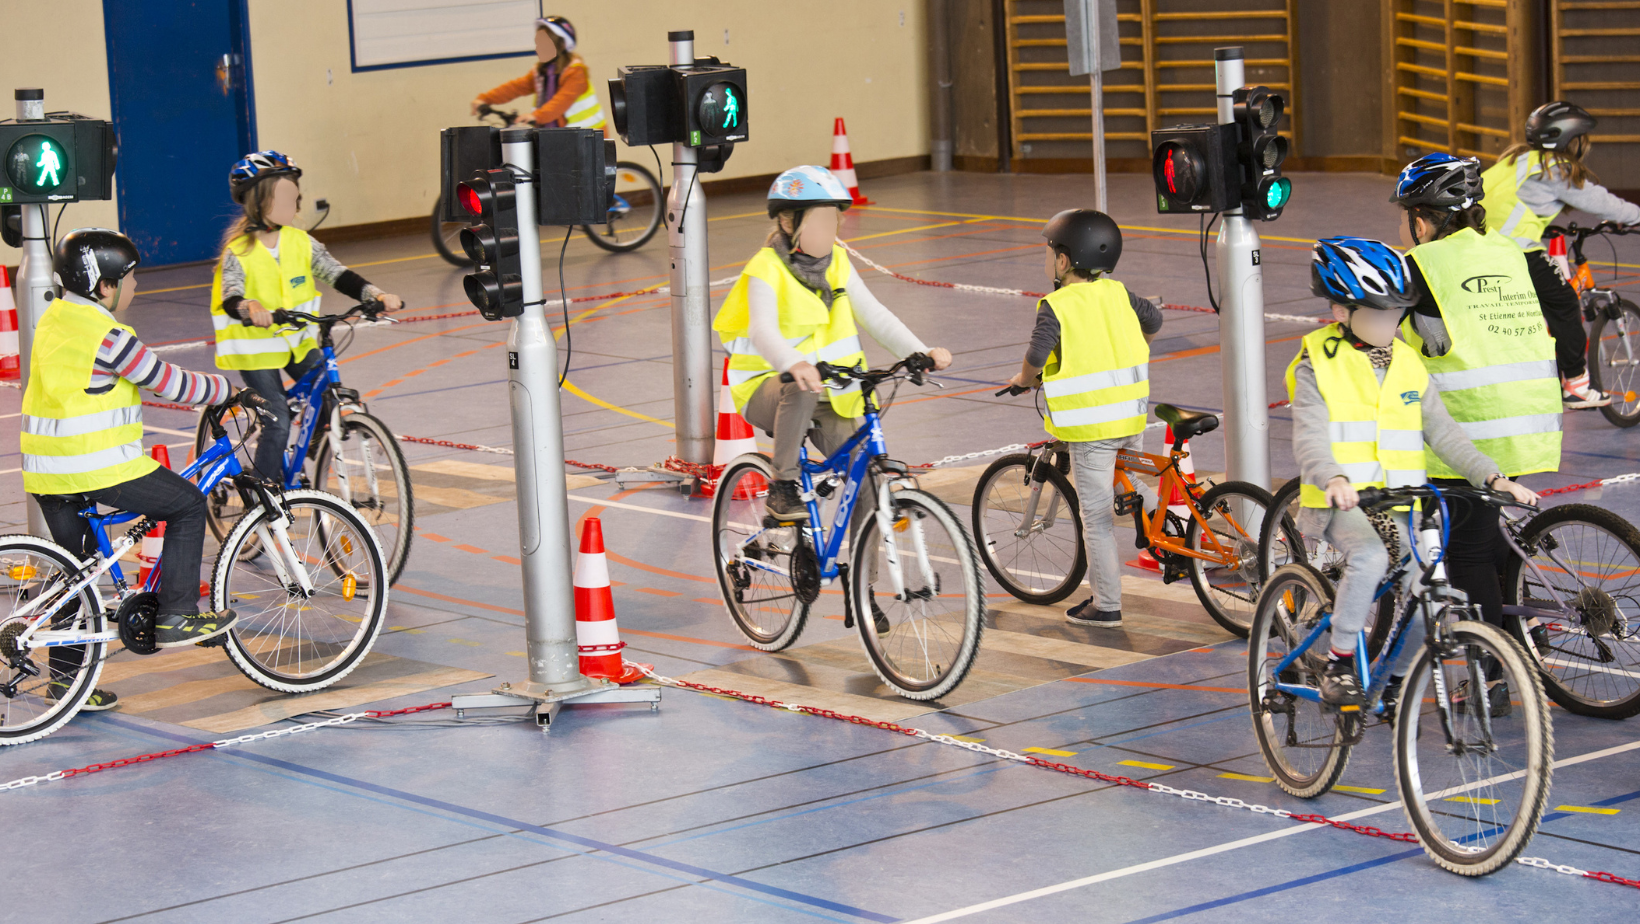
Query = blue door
x=179 y=77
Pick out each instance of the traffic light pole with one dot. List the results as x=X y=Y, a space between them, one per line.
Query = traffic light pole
x=1241 y=316
x=34 y=288
x=694 y=389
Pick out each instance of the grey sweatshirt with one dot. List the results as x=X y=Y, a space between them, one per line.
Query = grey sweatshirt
x=869 y=314
x=1547 y=193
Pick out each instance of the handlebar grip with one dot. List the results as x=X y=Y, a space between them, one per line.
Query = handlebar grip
x=786 y=378
x=281 y=316
x=1011 y=391
x=1371 y=497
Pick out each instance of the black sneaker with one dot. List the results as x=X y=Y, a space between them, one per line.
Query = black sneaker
x=1340 y=687
x=176 y=631
x=1497 y=697
x=1084 y=614
x=1540 y=641
x=785 y=502
x=1391 y=698
x=99 y=701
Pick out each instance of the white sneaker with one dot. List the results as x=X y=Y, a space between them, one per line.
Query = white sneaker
x=1575 y=394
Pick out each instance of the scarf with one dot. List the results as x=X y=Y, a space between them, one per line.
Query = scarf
x=810 y=271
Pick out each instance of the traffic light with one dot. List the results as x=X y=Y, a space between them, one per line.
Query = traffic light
x=640 y=102
x=497 y=289
x=1194 y=168
x=576 y=167
x=714 y=103
x=700 y=105
x=56 y=160
x=1259 y=152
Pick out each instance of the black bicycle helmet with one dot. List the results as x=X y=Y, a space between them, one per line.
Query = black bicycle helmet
x=88 y=256
x=1089 y=239
x=1439 y=181
x=1552 y=125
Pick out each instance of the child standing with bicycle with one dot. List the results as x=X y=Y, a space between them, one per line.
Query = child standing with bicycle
x=564 y=96
x=1364 y=409
x=1090 y=353
x=267 y=265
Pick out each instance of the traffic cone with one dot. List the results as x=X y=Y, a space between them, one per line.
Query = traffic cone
x=154 y=542
x=10 y=367
x=842 y=164
x=595 y=632
x=735 y=437
x=1555 y=248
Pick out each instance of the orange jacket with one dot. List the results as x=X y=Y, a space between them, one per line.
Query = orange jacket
x=571 y=84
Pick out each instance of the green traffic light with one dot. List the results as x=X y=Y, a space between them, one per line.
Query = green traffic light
x=1278 y=192
x=37 y=165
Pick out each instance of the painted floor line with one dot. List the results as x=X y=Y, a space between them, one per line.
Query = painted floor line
x=642 y=509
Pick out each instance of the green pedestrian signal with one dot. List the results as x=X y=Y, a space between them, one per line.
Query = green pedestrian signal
x=38 y=165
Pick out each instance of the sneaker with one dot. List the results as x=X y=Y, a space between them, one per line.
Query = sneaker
x=1575 y=394
x=178 y=630
x=1084 y=614
x=1497 y=697
x=1540 y=641
x=100 y=700
x=785 y=502
x=1340 y=686
x=1392 y=697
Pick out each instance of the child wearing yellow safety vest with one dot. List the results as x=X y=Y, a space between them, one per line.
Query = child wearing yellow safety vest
x=564 y=95
x=267 y=265
x=1364 y=409
x=1090 y=350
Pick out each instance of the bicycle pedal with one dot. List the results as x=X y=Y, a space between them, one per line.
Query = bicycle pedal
x=1129 y=503
x=770 y=521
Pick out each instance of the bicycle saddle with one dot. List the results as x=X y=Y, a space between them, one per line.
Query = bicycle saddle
x=1187 y=424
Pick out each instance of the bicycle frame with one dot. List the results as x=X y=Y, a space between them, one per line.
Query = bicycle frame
x=311 y=390
x=1166 y=469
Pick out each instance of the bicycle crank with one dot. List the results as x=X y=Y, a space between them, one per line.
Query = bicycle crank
x=135 y=619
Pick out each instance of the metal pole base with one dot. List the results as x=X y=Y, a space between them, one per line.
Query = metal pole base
x=546 y=703
x=687 y=484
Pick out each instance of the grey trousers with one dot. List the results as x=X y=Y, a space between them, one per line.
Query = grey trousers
x=1366 y=561
x=1094 y=466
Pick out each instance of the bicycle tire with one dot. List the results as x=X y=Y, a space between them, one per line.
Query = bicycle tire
x=446 y=237
x=270 y=615
x=1604 y=372
x=911 y=622
x=1235 y=527
x=737 y=516
x=394 y=518
x=990 y=514
x=1306 y=767
x=1421 y=781
x=1595 y=603
x=610 y=241
x=34 y=713
x=1275 y=550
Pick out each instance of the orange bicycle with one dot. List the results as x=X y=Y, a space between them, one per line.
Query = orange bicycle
x=1614 y=334
x=1028 y=524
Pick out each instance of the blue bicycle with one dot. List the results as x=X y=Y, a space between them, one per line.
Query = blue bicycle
x=912 y=587
x=356 y=456
x=1474 y=749
x=309 y=609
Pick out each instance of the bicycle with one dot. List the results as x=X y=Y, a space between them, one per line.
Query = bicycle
x=925 y=640
x=633 y=219
x=1612 y=365
x=350 y=446
x=1472 y=771
x=1028 y=523
x=307 y=616
x=1571 y=599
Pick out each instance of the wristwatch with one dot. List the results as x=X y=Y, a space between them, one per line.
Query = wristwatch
x=1492 y=478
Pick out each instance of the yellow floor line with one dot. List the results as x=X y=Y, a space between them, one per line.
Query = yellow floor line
x=1361 y=789
x=1147 y=766
x=1587 y=809
x=1050 y=752
x=1245 y=778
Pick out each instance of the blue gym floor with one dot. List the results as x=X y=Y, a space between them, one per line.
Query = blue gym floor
x=710 y=809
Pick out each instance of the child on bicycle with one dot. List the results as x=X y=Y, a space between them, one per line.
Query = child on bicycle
x=1090 y=354
x=268 y=265
x=1364 y=409
x=1528 y=186
x=564 y=95
x=82 y=435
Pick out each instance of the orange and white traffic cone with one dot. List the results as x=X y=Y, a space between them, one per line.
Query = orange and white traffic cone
x=596 y=635
x=735 y=437
x=1555 y=249
x=10 y=367
x=154 y=542
x=842 y=164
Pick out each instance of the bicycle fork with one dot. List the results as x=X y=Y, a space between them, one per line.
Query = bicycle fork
x=888 y=526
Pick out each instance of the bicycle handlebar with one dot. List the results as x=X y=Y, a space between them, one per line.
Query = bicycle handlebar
x=371 y=309
x=507 y=118
x=1575 y=230
x=1374 y=498
x=914 y=367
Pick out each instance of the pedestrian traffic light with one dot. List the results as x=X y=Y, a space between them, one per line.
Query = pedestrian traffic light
x=699 y=105
x=1259 y=152
x=56 y=160
x=1194 y=168
x=714 y=103
x=497 y=288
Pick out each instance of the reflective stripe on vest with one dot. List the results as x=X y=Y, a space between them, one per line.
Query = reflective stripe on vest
x=1505 y=213
x=1097 y=381
x=1499 y=380
x=286 y=283
x=73 y=442
x=585 y=111
x=819 y=333
x=1376 y=431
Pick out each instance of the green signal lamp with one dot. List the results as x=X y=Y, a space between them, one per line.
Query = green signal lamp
x=1277 y=191
x=38 y=165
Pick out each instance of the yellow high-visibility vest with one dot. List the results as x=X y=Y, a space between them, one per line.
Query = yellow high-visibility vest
x=74 y=442
x=1505 y=213
x=285 y=283
x=1097 y=381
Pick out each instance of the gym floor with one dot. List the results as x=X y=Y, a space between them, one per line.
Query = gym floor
x=711 y=809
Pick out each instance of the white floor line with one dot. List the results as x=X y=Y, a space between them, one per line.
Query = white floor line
x=655 y=510
x=1216 y=849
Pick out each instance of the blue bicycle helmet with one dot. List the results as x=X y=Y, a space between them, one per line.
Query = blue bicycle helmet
x=1359 y=273
x=1439 y=181
x=254 y=168
x=806 y=186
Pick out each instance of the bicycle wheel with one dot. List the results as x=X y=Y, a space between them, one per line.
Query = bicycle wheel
x=1228 y=588
x=1475 y=802
x=1040 y=561
x=447 y=236
x=1614 y=362
x=1303 y=744
x=288 y=639
x=636 y=214
x=56 y=682
x=1590 y=660
x=769 y=575
x=388 y=505
x=935 y=625
x=1276 y=549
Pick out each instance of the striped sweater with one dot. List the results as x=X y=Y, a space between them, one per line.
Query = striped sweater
x=123 y=356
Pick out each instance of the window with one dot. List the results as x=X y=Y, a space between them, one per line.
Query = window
x=410 y=33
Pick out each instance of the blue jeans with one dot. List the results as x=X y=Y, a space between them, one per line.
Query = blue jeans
x=270 y=448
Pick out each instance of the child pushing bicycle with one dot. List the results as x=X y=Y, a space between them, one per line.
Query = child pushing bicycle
x=1364 y=409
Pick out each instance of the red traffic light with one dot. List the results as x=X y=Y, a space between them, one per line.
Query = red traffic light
x=470 y=199
x=486 y=193
x=1179 y=170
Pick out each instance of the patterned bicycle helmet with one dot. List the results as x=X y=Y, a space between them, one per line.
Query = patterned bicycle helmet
x=1439 y=181
x=802 y=187
x=560 y=27
x=254 y=168
x=1552 y=125
x=1361 y=273
x=88 y=256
